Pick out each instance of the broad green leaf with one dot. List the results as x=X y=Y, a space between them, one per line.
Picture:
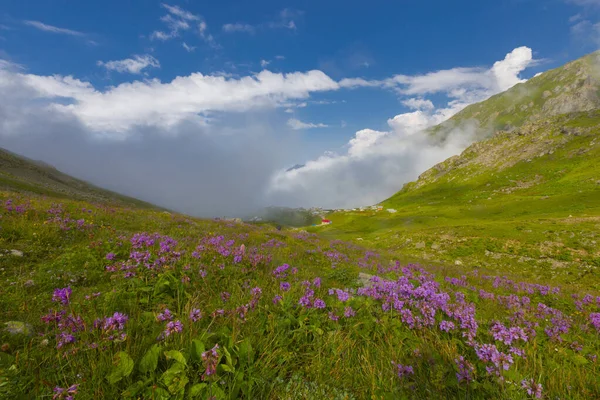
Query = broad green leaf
x=227 y=368
x=197 y=350
x=228 y=358
x=246 y=353
x=149 y=361
x=175 y=378
x=197 y=389
x=123 y=366
x=133 y=390
x=175 y=355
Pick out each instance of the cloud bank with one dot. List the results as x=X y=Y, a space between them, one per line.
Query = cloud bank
x=213 y=145
x=376 y=164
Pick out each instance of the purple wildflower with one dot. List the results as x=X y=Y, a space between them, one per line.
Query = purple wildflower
x=349 y=312
x=532 y=388
x=404 y=370
x=277 y=299
x=195 y=315
x=165 y=315
x=173 y=327
x=319 y=303
x=465 y=370
x=446 y=326
x=62 y=295
x=285 y=286
x=211 y=359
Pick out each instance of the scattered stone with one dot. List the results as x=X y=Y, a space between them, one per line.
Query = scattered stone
x=420 y=245
x=18 y=328
x=458 y=262
x=435 y=246
x=365 y=279
x=360 y=239
x=16 y=253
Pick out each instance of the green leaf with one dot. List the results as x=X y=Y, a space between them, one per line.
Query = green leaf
x=197 y=350
x=175 y=378
x=197 y=389
x=246 y=353
x=228 y=358
x=157 y=393
x=133 y=390
x=123 y=366
x=149 y=361
x=227 y=368
x=175 y=355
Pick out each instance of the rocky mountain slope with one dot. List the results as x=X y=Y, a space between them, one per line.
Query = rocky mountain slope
x=526 y=198
x=573 y=87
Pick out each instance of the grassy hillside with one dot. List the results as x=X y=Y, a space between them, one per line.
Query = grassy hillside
x=112 y=302
x=525 y=202
x=25 y=175
x=574 y=87
x=104 y=298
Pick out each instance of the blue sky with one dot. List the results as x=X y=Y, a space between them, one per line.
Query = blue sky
x=370 y=62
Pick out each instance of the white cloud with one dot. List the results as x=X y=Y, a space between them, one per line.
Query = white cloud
x=238 y=27
x=178 y=20
x=363 y=140
x=297 y=124
x=264 y=63
x=189 y=49
x=280 y=57
x=53 y=29
x=133 y=65
x=181 y=13
x=285 y=20
x=377 y=163
x=418 y=104
x=374 y=164
x=153 y=103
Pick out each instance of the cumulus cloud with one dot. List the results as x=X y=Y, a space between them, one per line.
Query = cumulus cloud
x=297 y=124
x=154 y=103
x=264 y=63
x=53 y=29
x=166 y=142
x=418 y=104
x=375 y=164
x=206 y=171
x=133 y=65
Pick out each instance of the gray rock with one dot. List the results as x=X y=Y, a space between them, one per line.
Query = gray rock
x=18 y=328
x=420 y=245
x=16 y=253
x=365 y=279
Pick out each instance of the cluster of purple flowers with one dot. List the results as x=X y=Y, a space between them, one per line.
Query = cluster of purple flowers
x=62 y=295
x=211 y=360
x=65 y=393
x=507 y=335
x=465 y=370
x=113 y=328
x=532 y=388
x=404 y=370
x=195 y=315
